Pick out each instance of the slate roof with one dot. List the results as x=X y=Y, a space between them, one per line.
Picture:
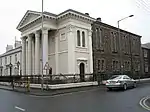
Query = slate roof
x=147 y=45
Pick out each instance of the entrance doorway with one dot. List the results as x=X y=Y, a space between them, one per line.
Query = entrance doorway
x=82 y=72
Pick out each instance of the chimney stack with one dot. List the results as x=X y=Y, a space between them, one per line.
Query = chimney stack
x=98 y=19
x=87 y=14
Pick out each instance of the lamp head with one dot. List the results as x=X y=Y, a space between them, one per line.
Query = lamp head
x=131 y=15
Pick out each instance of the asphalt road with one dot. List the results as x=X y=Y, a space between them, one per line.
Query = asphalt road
x=97 y=100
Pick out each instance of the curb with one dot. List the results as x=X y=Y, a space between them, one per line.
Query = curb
x=53 y=94
x=61 y=93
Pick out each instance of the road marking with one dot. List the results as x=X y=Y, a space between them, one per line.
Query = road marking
x=20 y=108
x=143 y=103
x=65 y=94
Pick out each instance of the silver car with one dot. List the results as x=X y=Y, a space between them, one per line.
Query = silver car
x=120 y=81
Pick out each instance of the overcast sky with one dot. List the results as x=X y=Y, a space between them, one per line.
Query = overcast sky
x=110 y=12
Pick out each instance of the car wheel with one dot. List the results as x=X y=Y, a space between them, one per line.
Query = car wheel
x=124 y=86
x=109 y=89
x=134 y=85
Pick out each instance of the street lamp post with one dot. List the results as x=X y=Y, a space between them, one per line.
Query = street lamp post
x=42 y=46
x=121 y=69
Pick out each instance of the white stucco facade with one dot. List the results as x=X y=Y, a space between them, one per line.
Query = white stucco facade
x=10 y=61
x=58 y=44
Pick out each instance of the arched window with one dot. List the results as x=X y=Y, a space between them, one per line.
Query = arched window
x=78 y=38
x=83 y=39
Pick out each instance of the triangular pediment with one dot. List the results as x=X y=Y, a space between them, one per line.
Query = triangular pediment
x=28 y=17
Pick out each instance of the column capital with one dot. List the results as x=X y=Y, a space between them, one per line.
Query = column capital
x=45 y=30
x=37 y=34
x=90 y=32
x=30 y=37
x=23 y=38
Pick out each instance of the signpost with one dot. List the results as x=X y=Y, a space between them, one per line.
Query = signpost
x=47 y=68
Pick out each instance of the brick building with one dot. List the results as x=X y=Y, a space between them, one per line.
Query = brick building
x=146 y=59
x=113 y=55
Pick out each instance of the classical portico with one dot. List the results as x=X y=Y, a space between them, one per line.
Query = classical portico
x=57 y=43
x=31 y=63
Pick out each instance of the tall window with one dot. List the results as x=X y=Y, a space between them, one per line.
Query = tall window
x=1 y=61
x=146 y=67
x=5 y=60
x=102 y=68
x=145 y=53
x=115 y=65
x=78 y=38
x=101 y=65
x=113 y=42
x=10 y=59
x=16 y=58
x=83 y=39
x=125 y=66
x=128 y=66
x=97 y=39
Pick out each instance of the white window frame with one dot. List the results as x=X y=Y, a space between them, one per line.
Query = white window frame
x=81 y=44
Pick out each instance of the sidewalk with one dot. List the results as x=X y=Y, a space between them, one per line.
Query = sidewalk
x=51 y=92
x=39 y=92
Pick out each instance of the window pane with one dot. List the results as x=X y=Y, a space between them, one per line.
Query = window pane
x=10 y=59
x=78 y=38
x=98 y=64
x=83 y=39
x=15 y=57
x=102 y=64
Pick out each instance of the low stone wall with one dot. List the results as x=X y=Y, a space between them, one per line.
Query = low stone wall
x=62 y=86
x=56 y=86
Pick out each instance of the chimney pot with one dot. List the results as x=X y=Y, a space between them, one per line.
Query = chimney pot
x=87 y=14
x=99 y=19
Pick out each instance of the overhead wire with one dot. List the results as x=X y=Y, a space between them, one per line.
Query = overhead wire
x=143 y=5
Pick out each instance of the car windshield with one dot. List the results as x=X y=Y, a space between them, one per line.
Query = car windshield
x=115 y=77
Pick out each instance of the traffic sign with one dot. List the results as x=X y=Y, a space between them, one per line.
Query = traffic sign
x=46 y=67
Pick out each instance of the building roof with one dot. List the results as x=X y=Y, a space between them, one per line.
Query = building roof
x=147 y=45
x=110 y=26
x=56 y=16
x=12 y=51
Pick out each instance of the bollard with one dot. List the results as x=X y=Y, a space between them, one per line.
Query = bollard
x=98 y=79
x=28 y=86
x=12 y=83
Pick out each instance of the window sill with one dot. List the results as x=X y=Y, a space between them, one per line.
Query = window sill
x=114 y=52
x=101 y=50
x=81 y=47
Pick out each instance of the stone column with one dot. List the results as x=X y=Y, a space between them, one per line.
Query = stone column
x=37 y=53
x=45 y=48
x=33 y=56
x=56 y=52
x=90 y=51
x=26 y=56
x=23 y=56
x=29 y=54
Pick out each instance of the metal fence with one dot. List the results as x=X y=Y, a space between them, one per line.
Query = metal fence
x=70 y=78
x=58 y=79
